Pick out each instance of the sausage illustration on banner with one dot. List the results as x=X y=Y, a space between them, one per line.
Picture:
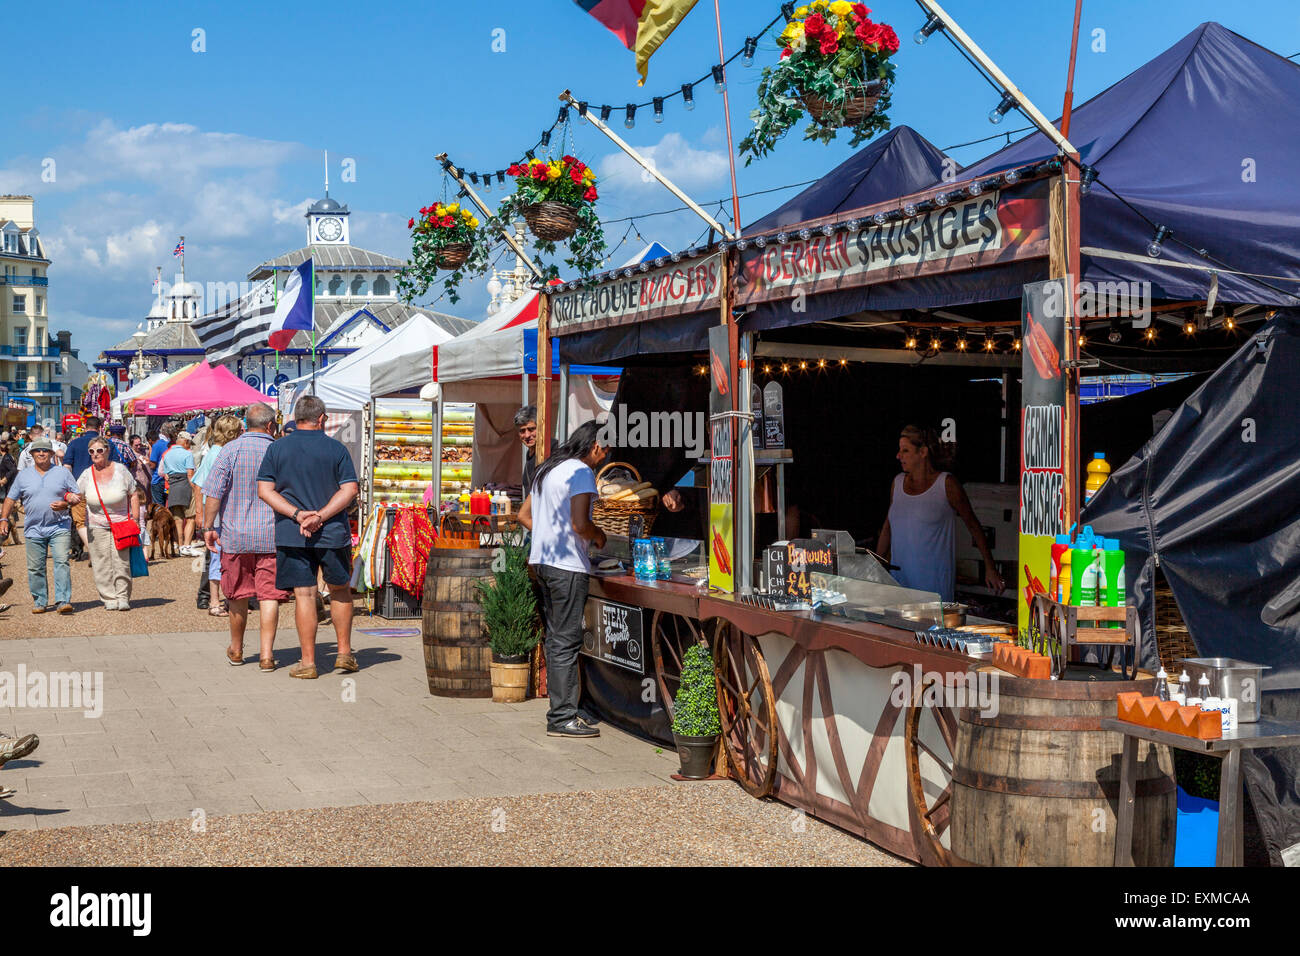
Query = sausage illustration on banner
x=1041 y=350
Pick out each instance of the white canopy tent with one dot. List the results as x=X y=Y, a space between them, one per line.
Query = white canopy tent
x=345 y=385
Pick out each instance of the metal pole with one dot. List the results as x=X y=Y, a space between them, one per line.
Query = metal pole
x=641 y=161
x=745 y=472
x=1068 y=107
x=563 y=411
x=488 y=214
x=726 y=112
x=982 y=58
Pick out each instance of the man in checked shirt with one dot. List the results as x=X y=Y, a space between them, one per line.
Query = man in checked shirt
x=243 y=526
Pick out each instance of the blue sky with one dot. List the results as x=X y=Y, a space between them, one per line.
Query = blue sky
x=152 y=140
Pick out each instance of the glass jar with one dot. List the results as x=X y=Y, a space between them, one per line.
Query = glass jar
x=663 y=564
x=644 y=565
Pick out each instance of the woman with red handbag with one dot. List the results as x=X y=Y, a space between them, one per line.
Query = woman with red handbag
x=112 y=511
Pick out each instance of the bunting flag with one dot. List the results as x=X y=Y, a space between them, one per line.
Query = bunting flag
x=641 y=25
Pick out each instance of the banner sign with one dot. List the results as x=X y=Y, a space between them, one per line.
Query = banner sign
x=976 y=231
x=1042 y=436
x=722 y=473
x=614 y=633
x=678 y=288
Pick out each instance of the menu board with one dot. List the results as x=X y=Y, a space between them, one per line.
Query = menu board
x=790 y=565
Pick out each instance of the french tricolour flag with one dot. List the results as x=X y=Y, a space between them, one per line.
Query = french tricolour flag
x=294 y=310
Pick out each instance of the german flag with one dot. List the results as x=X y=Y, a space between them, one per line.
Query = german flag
x=641 y=25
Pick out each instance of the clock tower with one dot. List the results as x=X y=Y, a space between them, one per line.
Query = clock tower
x=327 y=220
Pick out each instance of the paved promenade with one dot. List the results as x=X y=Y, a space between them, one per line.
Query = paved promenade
x=182 y=730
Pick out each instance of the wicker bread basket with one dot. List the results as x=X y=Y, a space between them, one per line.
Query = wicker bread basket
x=614 y=517
x=859 y=103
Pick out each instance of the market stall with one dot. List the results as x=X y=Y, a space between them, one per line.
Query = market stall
x=202 y=387
x=952 y=275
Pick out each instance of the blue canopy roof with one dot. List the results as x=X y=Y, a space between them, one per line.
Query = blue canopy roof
x=897 y=164
x=1201 y=140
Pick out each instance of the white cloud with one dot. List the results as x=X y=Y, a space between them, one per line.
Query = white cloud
x=687 y=167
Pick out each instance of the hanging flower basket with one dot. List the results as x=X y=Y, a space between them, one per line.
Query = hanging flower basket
x=453 y=255
x=557 y=198
x=858 y=104
x=551 y=221
x=445 y=237
x=835 y=67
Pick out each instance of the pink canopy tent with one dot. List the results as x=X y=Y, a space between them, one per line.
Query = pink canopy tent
x=207 y=387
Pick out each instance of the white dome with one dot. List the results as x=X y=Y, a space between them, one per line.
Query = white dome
x=190 y=290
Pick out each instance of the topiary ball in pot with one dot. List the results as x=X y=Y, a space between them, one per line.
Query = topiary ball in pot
x=696 y=724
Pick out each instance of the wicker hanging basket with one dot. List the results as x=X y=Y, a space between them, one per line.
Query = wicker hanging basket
x=453 y=255
x=859 y=103
x=551 y=221
x=614 y=517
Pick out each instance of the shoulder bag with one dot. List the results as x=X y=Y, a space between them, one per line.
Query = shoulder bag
x=126 y=533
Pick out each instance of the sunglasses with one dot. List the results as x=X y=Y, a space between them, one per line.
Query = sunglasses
x=98 y=451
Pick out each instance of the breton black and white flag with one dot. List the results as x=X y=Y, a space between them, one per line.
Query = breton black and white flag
x=238 y=326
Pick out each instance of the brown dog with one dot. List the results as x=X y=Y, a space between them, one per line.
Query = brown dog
x=162 y=533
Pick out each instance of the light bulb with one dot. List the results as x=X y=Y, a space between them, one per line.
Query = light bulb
x=742 y=244
x=1001 y=110
x=688 y=96
x=1156 y=245
x=880 y=219
x=1015 y=344
x=1011 y=177
x=1151 y=334
x=751 y=46
x=909 y=209
x=761 y=241
x=961 y=344
x=805 y=234
x=941 y=199
x=630 y=121
x=781 y=237
x=932 y=25
x=719 y=84
x=659 y=109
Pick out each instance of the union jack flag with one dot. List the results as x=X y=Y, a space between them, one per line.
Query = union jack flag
x=179 y=251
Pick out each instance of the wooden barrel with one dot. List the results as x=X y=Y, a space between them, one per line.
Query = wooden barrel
x=1037 y=782
x=456 y=653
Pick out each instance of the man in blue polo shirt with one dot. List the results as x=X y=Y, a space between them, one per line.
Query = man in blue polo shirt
x=308 y=480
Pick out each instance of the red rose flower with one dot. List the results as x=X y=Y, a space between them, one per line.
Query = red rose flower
x=576 y=175
x=785 y=53
x=539 y=172
x=448 y=222
x=410 y=223
x=829 y=45
x=590 y=194
x=814 y=25
x=888 y=38
x=569 y=159
x=861 y=11
x=868 y=33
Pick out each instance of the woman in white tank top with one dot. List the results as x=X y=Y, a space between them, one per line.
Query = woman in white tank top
x=924 y=503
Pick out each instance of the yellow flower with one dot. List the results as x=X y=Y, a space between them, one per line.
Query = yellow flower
x=819 y=4
x=841 y=8
x=588 y=177
x=801 y=12
x=440 y=210
x=452 y=209
x=473 y=222
x=553 y=172
x=792 y=32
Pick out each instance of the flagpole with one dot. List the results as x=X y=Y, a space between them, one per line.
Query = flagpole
x=313 y=301
x=726 y=109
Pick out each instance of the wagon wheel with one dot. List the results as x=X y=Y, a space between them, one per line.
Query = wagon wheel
x=930 y=813
x=671 y=636
x=747 y=707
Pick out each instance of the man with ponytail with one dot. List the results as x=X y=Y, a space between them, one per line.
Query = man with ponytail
x=557 y=510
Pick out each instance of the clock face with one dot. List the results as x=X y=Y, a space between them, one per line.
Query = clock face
x=329 y=228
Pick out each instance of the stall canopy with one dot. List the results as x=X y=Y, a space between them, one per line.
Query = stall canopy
x=205 y=387
x=1197 y=140
x=345 y=385
x=143 y=387
x=899 y=163
x=503 y=344
x=1215 y=498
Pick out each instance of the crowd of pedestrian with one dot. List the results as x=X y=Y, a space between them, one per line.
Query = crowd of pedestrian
x=271 y=514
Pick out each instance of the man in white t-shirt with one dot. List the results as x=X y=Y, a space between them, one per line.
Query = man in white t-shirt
x=557 y=509
x=37 y=432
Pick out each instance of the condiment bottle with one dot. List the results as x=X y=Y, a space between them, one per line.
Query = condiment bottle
x=1203 y=689
x=1162 y=684
x=1184 y=687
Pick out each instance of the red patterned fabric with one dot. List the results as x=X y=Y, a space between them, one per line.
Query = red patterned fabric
x=409 y=542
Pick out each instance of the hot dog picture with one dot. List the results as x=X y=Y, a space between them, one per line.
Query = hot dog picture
x=1039 y=347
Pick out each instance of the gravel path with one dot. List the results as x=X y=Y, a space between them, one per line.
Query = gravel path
x=697 y=824
x=162 y=603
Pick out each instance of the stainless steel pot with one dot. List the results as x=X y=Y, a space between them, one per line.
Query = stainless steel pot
x=1229 y=678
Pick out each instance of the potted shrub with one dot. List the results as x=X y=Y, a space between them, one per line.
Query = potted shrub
x=835 y=65
x=696 y=725
x=510 y=618
x=445 y=237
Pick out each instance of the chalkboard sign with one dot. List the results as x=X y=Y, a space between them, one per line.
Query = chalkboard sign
x=791 y=565
x=756 y=409
x=773 y=415
x=614 y=633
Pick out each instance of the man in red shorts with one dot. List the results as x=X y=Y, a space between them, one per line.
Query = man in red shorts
x=242 y=525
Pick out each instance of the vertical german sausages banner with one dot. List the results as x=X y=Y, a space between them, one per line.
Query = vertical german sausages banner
x=722 y=471
x=1042 y=436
